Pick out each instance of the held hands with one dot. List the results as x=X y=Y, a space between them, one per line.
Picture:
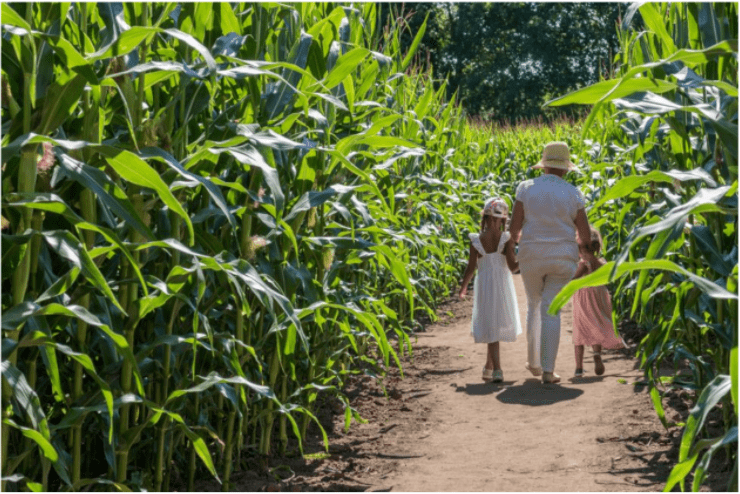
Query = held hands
x=463 y=293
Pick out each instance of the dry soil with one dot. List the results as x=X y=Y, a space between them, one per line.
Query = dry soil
x=441 y=428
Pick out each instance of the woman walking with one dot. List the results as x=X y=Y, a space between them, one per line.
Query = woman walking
x=547 y=213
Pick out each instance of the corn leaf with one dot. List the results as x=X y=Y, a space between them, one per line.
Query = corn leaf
x=603 y=275
x=137 y=171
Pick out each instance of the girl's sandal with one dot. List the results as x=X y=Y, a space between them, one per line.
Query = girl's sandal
x=598 y=364
x=578 y=373
x=498 y=376
x=487 y=374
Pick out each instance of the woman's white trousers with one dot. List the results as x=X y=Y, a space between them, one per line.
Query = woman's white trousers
x=543 y=276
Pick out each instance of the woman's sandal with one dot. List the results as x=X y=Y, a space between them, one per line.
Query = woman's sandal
x=578 y=373
x=536 y=371
x=550 y=378
x=487 y=374
x=598 y=364
x=498 y=376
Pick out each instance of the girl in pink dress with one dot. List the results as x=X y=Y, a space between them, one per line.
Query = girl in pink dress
x=592 y=310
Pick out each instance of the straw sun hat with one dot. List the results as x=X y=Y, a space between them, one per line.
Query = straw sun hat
x=556 y=155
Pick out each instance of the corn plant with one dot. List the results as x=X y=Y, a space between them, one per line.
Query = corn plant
x=212 y=215
x=663 y=133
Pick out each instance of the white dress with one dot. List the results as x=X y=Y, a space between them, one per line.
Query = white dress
x=495 y=310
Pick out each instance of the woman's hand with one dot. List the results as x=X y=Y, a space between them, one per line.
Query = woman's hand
x=511 y=261
x=463 y=292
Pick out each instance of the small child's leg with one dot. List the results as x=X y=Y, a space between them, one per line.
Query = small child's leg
x=489 y=356
x=488 y=369
x=579 y=357
x=598 y=364
x=494 y=355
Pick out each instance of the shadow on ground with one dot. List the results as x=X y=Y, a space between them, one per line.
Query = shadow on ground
x=480 y=389
x=534 y=393
x=586 y=379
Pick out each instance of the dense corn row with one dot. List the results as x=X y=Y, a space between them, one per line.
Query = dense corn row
x=664 y=194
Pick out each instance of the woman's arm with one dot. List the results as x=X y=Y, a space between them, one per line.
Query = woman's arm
x=469 y=271
x=517 y=220
x=584 y=231
x=511 y=258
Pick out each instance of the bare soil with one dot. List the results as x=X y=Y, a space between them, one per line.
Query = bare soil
x=441 y=428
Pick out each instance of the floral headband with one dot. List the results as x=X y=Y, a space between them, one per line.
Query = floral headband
x=496 y=207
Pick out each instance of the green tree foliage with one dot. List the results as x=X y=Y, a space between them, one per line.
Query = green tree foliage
x=506 y=59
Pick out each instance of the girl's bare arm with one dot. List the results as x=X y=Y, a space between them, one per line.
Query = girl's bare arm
x=511 y=258
x=580 y=271
x=469 y=271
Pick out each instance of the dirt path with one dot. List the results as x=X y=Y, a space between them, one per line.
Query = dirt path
x=441 y=428
x=591 y=434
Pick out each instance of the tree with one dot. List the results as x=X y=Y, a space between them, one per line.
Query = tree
x=506 y=59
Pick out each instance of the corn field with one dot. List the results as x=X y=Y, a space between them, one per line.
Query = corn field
x=663 y=189
x=214 y=214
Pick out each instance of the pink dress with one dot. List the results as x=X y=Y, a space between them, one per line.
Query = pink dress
x=592 y=317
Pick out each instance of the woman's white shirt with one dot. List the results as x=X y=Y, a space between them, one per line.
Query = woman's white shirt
x=550 y=207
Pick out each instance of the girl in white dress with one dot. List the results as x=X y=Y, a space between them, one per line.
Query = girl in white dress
x=495 y=310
